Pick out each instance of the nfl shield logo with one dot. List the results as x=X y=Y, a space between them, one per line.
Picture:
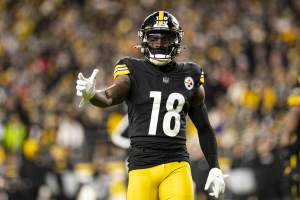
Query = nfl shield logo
x=166 y=79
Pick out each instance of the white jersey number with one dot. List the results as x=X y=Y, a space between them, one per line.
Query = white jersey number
x=172 y=112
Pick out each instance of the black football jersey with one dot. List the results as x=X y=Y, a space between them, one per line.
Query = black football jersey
x=157 y=106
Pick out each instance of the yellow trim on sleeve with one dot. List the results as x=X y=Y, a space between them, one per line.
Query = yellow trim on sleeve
x=120 y=69
x=123 y=72
x=119 y=66
x=202 y=79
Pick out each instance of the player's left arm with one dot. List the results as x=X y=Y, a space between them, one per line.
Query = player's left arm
x=199 y=116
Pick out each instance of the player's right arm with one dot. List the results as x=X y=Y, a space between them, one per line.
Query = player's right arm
x=112 y=95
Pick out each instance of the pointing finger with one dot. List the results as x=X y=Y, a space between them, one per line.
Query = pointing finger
x=94 y=74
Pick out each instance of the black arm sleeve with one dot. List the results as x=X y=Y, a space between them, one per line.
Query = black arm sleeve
x=206 y=134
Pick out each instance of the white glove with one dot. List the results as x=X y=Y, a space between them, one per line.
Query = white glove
x=215 y=180
x=86 y=87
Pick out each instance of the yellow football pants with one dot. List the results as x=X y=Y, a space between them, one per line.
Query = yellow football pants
x=170 y=181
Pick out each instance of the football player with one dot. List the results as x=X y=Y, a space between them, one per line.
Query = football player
x=159 y=93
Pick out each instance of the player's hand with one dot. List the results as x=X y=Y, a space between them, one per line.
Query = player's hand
x=86 y=87
x=215 y=181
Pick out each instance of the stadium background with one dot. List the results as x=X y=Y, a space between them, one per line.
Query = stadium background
x=249 y=50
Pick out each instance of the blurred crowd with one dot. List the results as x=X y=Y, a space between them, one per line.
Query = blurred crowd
x=51 y=149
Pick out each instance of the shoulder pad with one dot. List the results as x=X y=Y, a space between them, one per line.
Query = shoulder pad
x=198 y=71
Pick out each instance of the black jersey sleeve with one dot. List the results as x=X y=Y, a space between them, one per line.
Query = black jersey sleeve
x=197 y=73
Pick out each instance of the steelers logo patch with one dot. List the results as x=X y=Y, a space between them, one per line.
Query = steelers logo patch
x=189 y=83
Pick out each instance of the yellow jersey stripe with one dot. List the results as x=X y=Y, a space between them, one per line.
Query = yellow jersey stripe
x=120 y=69
x=120 y=66
x=160 y=17
x=202 y=80
x=123 y=72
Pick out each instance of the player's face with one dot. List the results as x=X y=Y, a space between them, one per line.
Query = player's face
x=161 y=40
